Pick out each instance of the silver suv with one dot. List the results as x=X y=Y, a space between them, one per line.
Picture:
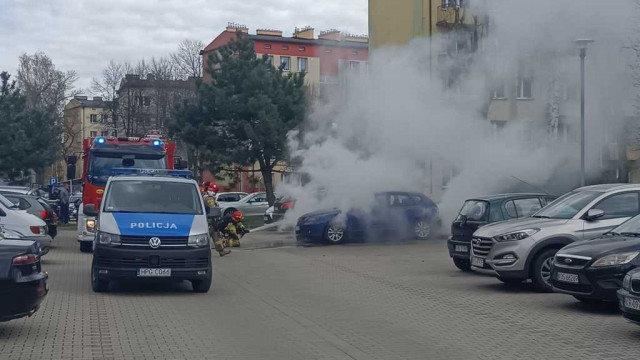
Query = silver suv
x=522 y=249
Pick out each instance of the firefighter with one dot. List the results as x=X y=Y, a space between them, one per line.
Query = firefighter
x=209 y=196
x=208 y=191
x=235 y=229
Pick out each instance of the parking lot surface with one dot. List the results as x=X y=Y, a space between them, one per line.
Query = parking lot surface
x=341 y=302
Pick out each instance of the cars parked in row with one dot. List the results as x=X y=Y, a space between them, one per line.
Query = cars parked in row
x=23 y=284
x=227 y=197
x=522 y=249
x=593 y=270
x=23 y=225
x=406 y=214
x=251 y=205
x=279 y=209
x=37 y=207
x=485 y=210
x=629 y=296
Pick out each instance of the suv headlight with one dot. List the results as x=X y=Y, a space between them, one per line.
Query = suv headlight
x=616 y=259
x=626 y=283
x=108 y=239
x=516 y=235
x=201 y=240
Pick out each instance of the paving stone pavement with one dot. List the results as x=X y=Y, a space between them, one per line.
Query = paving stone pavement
x=341 y=302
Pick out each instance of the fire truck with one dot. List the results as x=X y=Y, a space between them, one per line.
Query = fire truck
x=101 y=155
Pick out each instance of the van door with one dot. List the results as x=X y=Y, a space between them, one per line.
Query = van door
x=617 y=209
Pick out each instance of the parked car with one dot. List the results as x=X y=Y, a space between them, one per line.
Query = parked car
x=279 y=209
x=37 y=207
x=24 y=285
x=629 y=296
x=392 y=213
x=522 y=249
x=226 y=197
x=24 y=190
x=485 y=210
x=27 y=226
x=593 y=270
x=251 y=205
x=74 y=205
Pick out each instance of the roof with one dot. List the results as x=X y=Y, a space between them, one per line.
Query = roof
x=508 y=195
x=91 y=103
x=320 y=42
x=610 y=187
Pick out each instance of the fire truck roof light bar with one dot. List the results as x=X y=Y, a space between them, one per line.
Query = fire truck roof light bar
x=101 y=140
x=151 y=172
x=157 y=143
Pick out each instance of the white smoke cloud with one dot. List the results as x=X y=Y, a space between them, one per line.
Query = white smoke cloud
x=398 y=125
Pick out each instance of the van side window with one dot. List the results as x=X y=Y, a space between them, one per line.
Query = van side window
x=620 y=205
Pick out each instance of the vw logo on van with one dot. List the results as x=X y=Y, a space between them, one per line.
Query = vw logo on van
x=154 y=242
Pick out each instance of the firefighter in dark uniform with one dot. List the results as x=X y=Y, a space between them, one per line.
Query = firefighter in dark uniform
x=235 y=229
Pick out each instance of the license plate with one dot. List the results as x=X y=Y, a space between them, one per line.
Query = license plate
x=154 y=272
x=478 y=262
x=462 y=248
x=632 y=303
x=568 y=278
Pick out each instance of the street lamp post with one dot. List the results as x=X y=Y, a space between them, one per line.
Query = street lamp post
x=582 y=45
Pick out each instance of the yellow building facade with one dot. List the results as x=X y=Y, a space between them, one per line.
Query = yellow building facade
x=397 y=22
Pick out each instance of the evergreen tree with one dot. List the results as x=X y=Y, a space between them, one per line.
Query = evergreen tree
x=28 y=139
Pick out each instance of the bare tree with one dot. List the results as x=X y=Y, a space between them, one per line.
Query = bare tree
x=107 y=88
x=162 y=69
x=187 y=59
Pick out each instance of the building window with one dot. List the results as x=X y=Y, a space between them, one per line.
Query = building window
x=270 y=59
x=498 y=92
x=302 y=64
x=285 y=47
x=93 y=133
x=105 y=118
x=302 y=48
x=267 y=46
x=525 y=87
x=354 y=66
x=104 y=133
x=114 y=133
x=285 y=63
x=93 y=118
x=354 y=52
x=147 y=101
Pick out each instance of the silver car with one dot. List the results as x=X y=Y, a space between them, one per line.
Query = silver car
x=522 y=249
x=251 y=205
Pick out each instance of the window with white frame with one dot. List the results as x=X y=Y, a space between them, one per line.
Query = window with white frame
x=302 y=64
x=93 y=118
x=285 y=63
x=525 y=88
x=498 y=91
x=93 y=133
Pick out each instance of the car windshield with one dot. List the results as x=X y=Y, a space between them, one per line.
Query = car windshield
x=6 y=203
x=160 y=197
x=100 y=166
x=631 y=226
x=568 y=205
x=474 y=210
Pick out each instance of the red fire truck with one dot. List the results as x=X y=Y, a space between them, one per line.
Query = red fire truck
x=101 y=155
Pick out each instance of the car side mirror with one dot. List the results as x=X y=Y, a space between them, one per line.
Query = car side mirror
x=594 y=214
x=214 y=213
x=90 y=210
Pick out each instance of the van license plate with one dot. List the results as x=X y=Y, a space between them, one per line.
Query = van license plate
x=477 y=262
x=568 y=278
x=632 y=303
x=462 y=248
x=154 y=272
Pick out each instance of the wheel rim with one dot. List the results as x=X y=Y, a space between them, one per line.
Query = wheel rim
x=335 y=233
x=545 y=271
x=422 y=229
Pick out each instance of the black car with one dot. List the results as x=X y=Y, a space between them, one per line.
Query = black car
x=629 y=296
x=280 y=208
x=481 y=211
x=593 y=270
x=23 y=285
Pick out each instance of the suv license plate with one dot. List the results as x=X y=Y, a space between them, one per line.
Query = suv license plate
x=568 y=278
x=632 y=303
x=462 y=248
x=154 y=272
x=478 y=262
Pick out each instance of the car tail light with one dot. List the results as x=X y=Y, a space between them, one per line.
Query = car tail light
x=43 y=214
x=287 y=205
x=26 y=259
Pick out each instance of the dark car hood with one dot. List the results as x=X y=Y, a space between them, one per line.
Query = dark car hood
x=602 y=246
x=11 y=248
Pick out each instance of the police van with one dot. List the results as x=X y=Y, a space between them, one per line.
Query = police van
x=151 y=225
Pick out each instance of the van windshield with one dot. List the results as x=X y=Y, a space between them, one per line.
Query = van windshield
x=158 y=197
x=474 y=210
x=568 y=205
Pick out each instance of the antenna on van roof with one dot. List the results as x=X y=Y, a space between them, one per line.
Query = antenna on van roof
x=533 y=186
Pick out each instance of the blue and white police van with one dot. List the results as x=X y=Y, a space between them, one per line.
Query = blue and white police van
x=151 y=225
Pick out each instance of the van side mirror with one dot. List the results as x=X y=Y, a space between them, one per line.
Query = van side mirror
x=90 y=210
x=594 y=214
x=214 y=213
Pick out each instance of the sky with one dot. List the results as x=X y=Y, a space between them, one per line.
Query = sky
x=83 y=35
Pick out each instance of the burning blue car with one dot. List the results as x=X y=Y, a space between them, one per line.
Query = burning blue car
x=403 y=214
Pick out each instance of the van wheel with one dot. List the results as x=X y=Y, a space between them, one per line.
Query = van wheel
x=541 y=270
x=96 y=284
x=203 y=285
x=462 y=264
x=86 y=246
